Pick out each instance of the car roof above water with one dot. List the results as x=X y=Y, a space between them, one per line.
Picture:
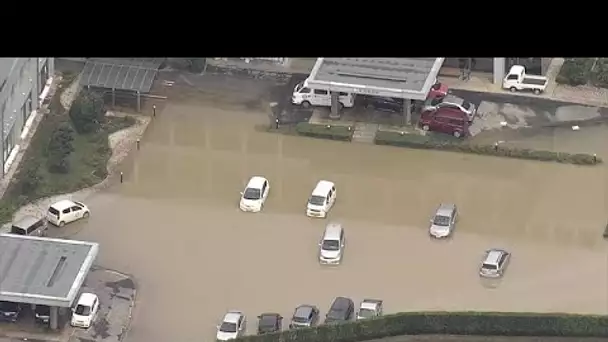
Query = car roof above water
x=26 y=221
x=493 y=255
x=303 y=311
x=256 y=182
x=64 y=204
x=445 y=209
x=322 y=188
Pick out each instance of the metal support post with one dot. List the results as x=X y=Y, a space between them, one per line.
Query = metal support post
x=138 y=101
x=335 y=105
x=499 y=70
x=407 y=111
x=113 y=97
x=54 y=319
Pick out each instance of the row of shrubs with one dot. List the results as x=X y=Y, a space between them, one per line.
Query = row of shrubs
x=448 y=323
x=575 y=71
x=599 y=76
x=430 y=142
x=333 y=132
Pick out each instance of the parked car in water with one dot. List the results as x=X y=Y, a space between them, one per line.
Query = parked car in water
x=322 y=199
x=438 y=90
x=445 y=120
x=341 y=310
x=443 y=221
x=233 y=325
x=269 y=323
x=304 y=316
x=383 y=104
x=42 y=314
x=494 y=263
x=85 y=311
x=30 y=226
x=255 y=194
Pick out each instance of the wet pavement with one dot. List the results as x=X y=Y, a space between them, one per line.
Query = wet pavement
x=175 y=225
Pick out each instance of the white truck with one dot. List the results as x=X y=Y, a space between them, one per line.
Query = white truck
x=370 y=308
x=305 y=96
x=517 y=80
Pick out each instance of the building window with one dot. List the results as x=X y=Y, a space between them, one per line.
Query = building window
x=9 y=143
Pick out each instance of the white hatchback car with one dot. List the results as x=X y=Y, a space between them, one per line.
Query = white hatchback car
x=66 y=211
x=233 y=326
x=322 y=199
x=84 y=313
x=255 y=194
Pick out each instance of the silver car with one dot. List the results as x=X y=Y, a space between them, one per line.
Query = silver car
x=494 y=263
x=444 y=220
x=454 y=102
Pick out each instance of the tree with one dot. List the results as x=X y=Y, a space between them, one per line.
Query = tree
x=87 y=112
x=59 y=149
x=197 y=64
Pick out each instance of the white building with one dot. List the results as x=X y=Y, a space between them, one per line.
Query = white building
x=24 y=83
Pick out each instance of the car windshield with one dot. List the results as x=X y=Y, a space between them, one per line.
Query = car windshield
x=316 y=200
x=251 y=194
x=466 y=105
x=440 y=220
x=8 y=306
x=489 y=266
x=228 y=327
x=83 y=310
x=366 y=313
x=330 y=245
x=300 y=316
x=268 y=321
x=299 y=86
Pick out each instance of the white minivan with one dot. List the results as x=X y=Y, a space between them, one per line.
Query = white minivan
x=84 y=313
x=322 y=199
x=306 y=97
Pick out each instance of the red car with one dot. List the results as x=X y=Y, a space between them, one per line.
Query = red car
x=445 y=120
x=438 y=90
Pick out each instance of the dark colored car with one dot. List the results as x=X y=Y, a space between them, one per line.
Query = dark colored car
x=341 y=310
x=42 y=314
x=445 y=120
x=304 y=316
x=383 y=104
x=9 y=311
x=269 y=323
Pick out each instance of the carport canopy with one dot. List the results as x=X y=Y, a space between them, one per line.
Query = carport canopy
x=43 y=271
x=130 y=74
x=406 y=78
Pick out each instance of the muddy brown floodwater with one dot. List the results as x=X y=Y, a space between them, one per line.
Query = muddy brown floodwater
x=175 y=225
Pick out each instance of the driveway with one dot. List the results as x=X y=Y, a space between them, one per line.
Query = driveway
x=175 y=226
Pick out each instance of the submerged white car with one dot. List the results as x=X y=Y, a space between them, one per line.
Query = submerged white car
x=84 y=313
x=255 y=194
x=233 y=326
x=321 y=200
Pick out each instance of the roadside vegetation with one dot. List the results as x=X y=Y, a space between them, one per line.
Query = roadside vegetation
x=447 y=323
x=582 y=71
x=68 y=152
x=444 y=143
x=192 y=64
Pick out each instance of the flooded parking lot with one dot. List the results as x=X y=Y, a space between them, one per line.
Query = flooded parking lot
x=175 y=225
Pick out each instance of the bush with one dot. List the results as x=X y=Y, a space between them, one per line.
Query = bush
x=448 y=323
x=333 y=132
x=427 y=142
x=28 y=177
x=599 y=75
x=87 y=112
x=59 y=149
x=575 y=71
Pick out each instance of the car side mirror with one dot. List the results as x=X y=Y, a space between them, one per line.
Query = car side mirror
x=431 y=220
x=241 y=193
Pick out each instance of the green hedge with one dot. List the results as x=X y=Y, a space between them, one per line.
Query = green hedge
x=428 y=142
x=575 y=71
x=333 y=132
x=599 y=75
x=448 y=323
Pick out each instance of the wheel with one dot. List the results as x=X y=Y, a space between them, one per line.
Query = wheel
x=306 y=104
x=370 y=107
x=85 y=215
x=536 y=91
x=425 y=127
x=457 y=134
x=513 y=89
x=61 y=223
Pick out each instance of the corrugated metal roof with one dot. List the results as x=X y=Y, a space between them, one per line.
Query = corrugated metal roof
x=44 y=271
x=134 y=74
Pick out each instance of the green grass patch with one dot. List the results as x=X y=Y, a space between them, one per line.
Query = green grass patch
x=433 y=142
x=88 y=161
x=332 y=132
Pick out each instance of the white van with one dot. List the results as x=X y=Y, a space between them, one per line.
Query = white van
x=305 y=96
x=322 y=199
